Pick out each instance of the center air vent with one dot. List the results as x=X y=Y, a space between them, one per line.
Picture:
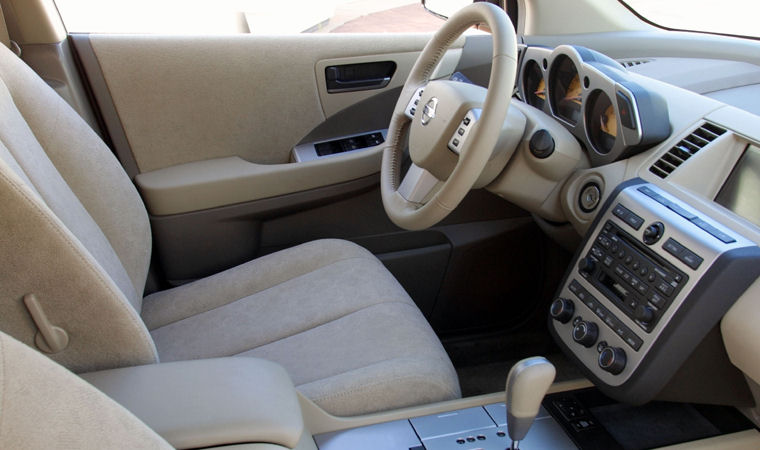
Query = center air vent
x=688 y=146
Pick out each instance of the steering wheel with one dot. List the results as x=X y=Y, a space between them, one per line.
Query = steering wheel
x=452 y=130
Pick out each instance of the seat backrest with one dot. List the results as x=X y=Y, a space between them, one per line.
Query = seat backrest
x=43 y=405
x=73 y=229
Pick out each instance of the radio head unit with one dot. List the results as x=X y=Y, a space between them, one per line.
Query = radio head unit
x=650 y=281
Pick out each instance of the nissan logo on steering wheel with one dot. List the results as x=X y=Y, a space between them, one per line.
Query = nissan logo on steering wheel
x=428 y=112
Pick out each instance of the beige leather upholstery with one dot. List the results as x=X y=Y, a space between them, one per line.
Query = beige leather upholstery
x=44 y=406
x=75 y=233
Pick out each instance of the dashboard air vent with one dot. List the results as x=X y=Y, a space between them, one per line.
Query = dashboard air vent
x=633 y=62
x=685 y=148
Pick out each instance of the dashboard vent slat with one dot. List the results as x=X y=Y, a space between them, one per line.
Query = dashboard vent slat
x=633 y=62
x=685 y=148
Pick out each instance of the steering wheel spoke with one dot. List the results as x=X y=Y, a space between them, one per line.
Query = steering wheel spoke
x=418 y=185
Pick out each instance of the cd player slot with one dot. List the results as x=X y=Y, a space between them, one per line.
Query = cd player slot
x=637 y=281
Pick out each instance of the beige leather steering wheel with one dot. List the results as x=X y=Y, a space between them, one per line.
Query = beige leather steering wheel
x=452 y=130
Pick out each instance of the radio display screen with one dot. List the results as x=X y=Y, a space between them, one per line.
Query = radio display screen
x=741 y=192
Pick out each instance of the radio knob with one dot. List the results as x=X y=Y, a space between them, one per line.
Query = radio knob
x=612 y=359
x=562 y=310
x=644 y=314
x=653 y=233
x=587 y=265
x=585 y=333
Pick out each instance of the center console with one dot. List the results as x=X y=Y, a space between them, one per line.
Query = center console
x=649 y=283
x=480 y=427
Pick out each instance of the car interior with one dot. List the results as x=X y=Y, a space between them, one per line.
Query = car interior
x=536 y=227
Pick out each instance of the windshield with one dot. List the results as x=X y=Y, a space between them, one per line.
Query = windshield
x=736 y=17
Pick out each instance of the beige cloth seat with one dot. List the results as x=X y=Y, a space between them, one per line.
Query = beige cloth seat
x=44 y=406
x=348 y=334
x=75 y=234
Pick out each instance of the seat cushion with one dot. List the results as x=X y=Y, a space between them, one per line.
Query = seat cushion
x=349 y=335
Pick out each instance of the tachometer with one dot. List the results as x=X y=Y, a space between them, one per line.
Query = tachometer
x=534 y=85
x=565 y=89
x=601 y=120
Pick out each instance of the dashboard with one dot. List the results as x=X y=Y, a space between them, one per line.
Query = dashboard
x=664 y=285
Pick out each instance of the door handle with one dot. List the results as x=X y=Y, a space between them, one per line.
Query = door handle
x=359 y=77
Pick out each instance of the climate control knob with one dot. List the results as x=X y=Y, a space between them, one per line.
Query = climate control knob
x=562 y=310
x=612 y=359
x=585 y=333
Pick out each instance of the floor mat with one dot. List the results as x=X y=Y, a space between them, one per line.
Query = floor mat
x=491 y=377
x=653 y=425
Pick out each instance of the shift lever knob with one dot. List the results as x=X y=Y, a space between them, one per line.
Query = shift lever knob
x=527 y=384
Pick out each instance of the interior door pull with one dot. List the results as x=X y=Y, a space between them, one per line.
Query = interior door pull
x=359 y=77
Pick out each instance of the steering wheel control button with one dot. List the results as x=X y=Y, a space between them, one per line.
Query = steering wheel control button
x=541 y=144
x=562 y=310
x=411 y=108
x=653 y=233
x=585 y=333
x=589 y=197
x=465 y=126
x=612 y=360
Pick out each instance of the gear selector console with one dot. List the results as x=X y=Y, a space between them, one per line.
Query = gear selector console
x=648 y=284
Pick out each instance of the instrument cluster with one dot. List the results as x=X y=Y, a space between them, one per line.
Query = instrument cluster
x=596 y=99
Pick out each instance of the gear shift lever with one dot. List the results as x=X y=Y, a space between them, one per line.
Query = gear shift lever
x=527 y=384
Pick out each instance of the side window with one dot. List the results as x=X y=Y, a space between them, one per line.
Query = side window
x=245 y=16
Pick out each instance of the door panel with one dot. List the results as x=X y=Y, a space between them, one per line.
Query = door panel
x=249 y=101
x=249 y=96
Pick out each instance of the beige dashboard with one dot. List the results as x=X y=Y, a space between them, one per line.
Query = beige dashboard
x=696 y=182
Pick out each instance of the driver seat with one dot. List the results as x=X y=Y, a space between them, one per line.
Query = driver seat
x=76 y=244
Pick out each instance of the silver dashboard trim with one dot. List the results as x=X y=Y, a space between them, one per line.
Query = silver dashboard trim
x=676 y=227
x=308 y=152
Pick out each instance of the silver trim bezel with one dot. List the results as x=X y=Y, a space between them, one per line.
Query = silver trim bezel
x=308 y=152
x=676 y=227
x=597 y=81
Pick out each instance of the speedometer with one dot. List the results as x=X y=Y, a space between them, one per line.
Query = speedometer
x=565 y=90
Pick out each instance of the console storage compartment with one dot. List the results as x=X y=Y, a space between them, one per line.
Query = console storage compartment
x=209 y=402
